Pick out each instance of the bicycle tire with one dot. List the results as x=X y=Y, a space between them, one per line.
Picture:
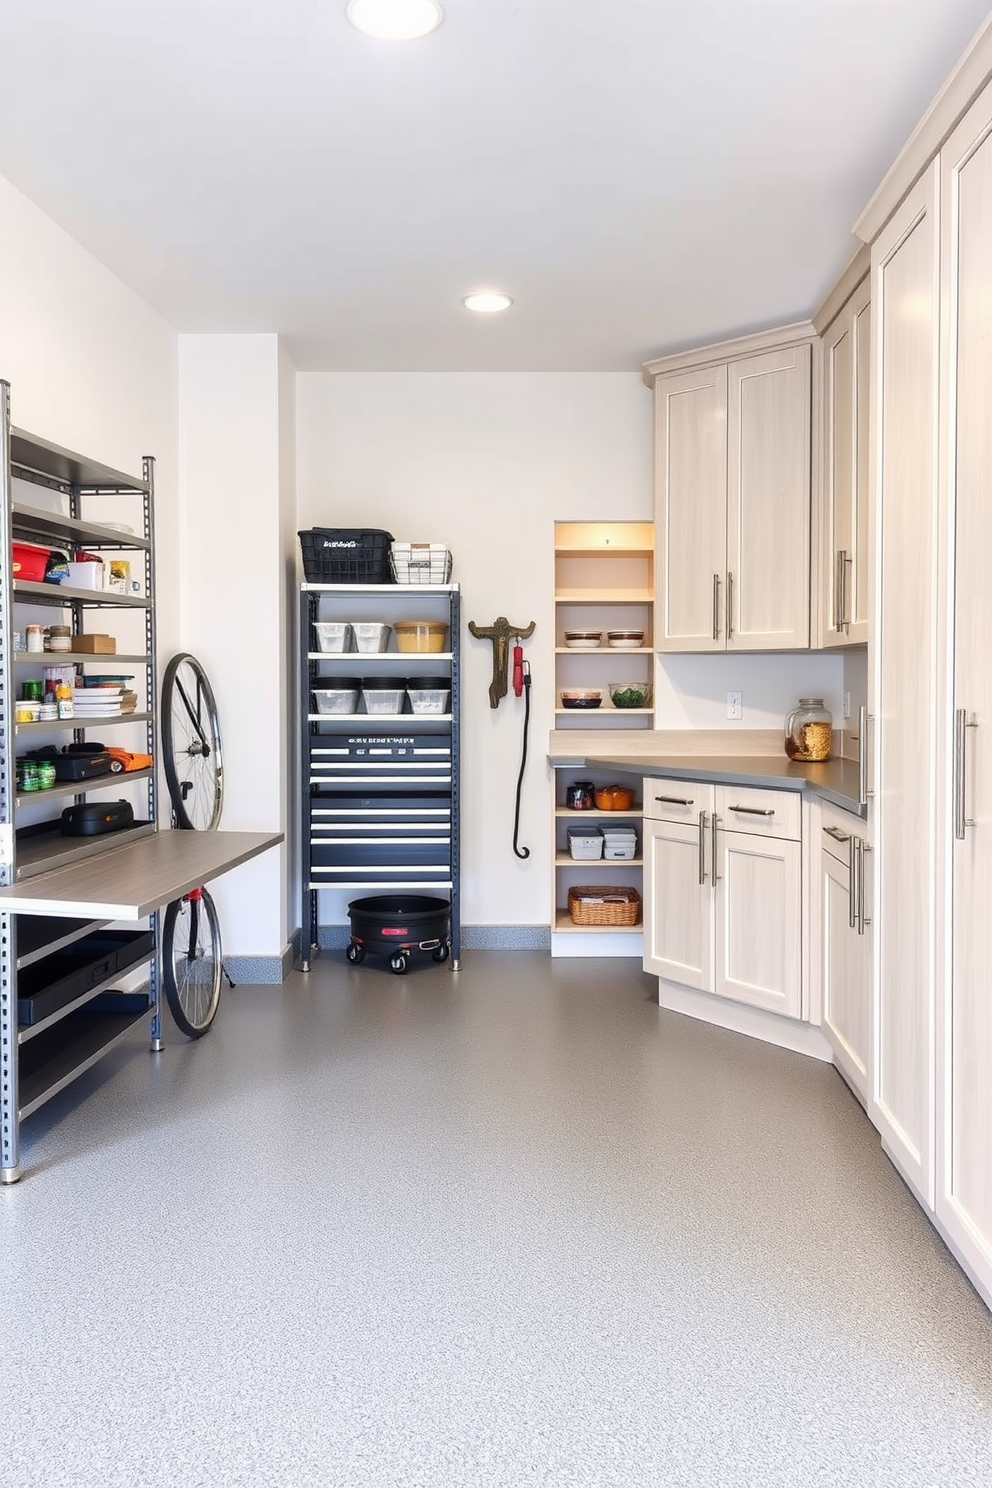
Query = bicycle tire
x=191 y=745
x=192 y=962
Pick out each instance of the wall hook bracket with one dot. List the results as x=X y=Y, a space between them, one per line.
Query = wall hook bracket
x=499 y=633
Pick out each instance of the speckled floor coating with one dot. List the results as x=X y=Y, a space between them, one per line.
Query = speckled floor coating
x=510 y=1227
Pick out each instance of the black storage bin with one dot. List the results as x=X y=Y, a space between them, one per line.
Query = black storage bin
x=50 y=984
x=346 y=555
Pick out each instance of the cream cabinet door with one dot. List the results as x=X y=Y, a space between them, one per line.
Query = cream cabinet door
x=964 y=1192
x=844 y=556
x=678 y=903
x=903 y=662
x=691 y=509
x=845 y=967
x=768 y=500
x=758 y=919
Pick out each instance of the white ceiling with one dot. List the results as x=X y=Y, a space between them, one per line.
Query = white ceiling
x=639 y=175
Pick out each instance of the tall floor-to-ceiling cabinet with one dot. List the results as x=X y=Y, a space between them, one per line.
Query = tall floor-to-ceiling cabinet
x=931 y=1089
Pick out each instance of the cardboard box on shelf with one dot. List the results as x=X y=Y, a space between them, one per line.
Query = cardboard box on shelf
x=98 y=645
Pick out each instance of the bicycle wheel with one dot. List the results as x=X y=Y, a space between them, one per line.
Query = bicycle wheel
x=191 y=745
x=191 y=962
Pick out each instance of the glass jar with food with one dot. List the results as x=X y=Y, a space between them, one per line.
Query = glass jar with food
x=809 y=731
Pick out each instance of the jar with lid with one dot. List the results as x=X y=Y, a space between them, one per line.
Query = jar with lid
x=46 y=774
x=59 y=638
x=809 y=731
x=35 y=637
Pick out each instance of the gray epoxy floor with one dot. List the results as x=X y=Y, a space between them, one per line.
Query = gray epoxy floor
x=509 y=1227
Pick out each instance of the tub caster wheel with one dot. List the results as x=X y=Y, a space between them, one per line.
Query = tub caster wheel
x=355 y=954
x=441 y=954
x=398 y=964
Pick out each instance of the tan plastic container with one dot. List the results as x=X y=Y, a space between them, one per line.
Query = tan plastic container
x=420 y=635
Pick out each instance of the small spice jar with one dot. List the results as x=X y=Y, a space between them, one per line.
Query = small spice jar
x=809 y=731
x=35 y=637
x=27 y=776
x=46 y=774
x=32 y=689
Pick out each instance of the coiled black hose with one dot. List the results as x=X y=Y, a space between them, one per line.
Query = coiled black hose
x=522 y=852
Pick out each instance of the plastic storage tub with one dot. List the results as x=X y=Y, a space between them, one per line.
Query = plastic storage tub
x=370 y=635
x=332 y=635
x=384 y=694
x=420 y=635
x=428 y=694
x=336 y=695
x=585 y=844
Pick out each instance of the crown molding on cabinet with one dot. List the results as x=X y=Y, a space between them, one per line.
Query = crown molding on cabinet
x=856 y=271
x=966 y=81
x=725 y=351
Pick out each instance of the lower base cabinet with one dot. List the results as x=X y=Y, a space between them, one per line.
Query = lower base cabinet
x=723 y=891
x=845 y=944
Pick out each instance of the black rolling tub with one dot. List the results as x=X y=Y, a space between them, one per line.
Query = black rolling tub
x=396 y=925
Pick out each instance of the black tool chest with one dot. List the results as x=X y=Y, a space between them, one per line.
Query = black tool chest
x=380 y=789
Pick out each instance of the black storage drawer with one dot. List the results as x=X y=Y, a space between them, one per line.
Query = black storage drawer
x=351 y=814
x=375 y=759
x=59 y=979
x=378 y=853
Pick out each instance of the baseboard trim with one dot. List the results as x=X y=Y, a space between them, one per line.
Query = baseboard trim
x=800 y=1038
x=261 y=970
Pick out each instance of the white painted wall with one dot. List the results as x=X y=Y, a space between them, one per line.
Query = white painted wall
x=235 y=409
x=91 y=367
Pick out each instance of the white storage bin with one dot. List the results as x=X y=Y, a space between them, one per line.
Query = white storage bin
x=380 y=699
x=86 y=575
x=429 y=699
x=420 y=563
x=336 y=699
x=618 y=850
x=332 y=635
x=585 y=844
x=371 y=636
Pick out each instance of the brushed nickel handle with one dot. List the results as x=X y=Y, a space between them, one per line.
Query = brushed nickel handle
x=852 y=890
x=845 y=593
x=716 y=607
x=730 y=604
x=839 y=589
x=715 y=844
x=961 y=818
x=702 y=847
x=675 y=800
x=863 y=920
x=754 y=810
x=837 y=834
x=864 y=718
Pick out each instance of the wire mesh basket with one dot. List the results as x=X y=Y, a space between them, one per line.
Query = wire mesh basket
x=420 y=563
x=346 y=555
x=604 y=904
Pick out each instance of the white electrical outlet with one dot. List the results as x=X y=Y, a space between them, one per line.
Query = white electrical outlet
x=847 y=705
x=733 y=705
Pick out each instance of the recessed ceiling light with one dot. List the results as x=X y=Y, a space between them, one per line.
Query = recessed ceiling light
x=395 y=20
x=487 y=302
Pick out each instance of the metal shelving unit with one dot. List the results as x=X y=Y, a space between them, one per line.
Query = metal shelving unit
x=380 y=792
x=56 y=891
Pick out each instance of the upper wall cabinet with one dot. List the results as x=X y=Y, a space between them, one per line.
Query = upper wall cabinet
x=732 y=495
x=844 y=562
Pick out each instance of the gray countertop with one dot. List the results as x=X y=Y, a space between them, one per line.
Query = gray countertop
x=836 y=780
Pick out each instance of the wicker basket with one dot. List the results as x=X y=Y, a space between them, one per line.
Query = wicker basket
x=604 y=904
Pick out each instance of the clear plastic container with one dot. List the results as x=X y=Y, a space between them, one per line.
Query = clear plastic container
x=370 y=635
x=429 y=694
x=332 y=635
x=809 y=731
x=384 y=694
x=585 y=844
x=420 y=635
x=337 y=695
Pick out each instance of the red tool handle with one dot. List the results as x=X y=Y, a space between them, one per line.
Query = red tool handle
x=518 y=670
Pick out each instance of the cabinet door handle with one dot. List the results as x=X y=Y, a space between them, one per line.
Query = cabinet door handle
x=961 y=818
x=675 y=800
x=864 y=794
x=839 y=595
x=863 y=848
x=852 y=883
x=702 y=847
x=730 y=604
x=845 y=593
x=715 y=846
x=754 y=810
x=716 y=607
x=837 y=834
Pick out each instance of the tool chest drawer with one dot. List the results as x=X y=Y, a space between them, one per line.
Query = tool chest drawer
x=371 y=759
x=369 y=815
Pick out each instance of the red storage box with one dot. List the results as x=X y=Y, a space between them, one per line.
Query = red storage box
x=30 y=561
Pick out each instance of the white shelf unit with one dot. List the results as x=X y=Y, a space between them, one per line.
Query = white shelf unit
x=604 y=580
x=380 y=797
